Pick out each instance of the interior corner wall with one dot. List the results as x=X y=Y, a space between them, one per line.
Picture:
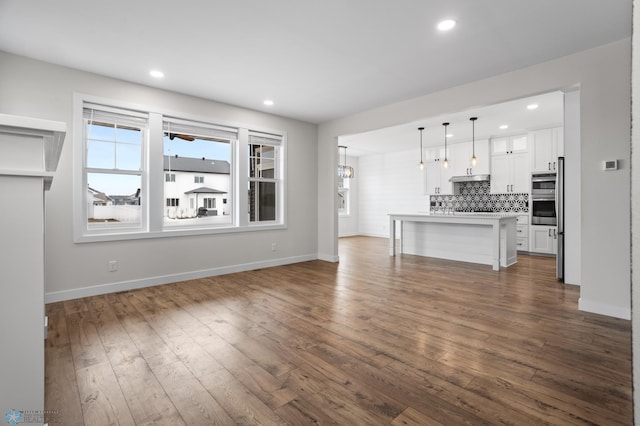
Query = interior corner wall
x=42 y=90
x=635 y=208
x=572 y=198
x=604 y=76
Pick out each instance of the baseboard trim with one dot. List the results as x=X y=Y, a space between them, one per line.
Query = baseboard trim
x=604 y=309
x=59 y=296
x=375 y=235
x=328 y=258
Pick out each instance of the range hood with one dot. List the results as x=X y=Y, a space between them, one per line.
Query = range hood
x=470 y=178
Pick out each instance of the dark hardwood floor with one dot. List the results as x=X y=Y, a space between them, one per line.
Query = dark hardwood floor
x=372 y=340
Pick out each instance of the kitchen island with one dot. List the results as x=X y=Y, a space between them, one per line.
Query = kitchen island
x=486 y=238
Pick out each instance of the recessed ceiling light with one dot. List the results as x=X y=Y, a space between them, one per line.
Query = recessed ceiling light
x=446 y=25
x=504 y=126
x=268 y=102
x=449 y=135
x=532 y=106
x=156 y=73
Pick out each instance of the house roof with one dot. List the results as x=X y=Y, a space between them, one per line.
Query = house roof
x=199 y=165
x=205 y=190
x=98 y=195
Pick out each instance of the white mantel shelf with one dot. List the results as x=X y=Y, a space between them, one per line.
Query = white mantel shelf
x=487 y=238
x=30 y=146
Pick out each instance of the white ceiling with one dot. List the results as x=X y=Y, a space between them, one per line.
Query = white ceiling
x=515 y=114
x=317 y=60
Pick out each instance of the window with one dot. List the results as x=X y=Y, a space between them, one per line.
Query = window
x=263 y=178
x=144 y=174
x=343 y=196
x=112 y=168
x=192 y=151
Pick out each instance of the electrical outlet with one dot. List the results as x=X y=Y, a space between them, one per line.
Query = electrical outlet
x=112 y=265
x=274 y=246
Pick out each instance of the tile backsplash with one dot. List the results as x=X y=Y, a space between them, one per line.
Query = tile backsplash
x=477 y=197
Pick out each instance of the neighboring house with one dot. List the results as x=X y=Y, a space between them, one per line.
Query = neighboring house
x=96 y=198
x=126 y=200
x=99 y=198
x=191 y=184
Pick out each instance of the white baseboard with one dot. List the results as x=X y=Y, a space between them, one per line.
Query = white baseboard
x=58 y=296
x=328 y=257
x=375 y=235
x=604 y=309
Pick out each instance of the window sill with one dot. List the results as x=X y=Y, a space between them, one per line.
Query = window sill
x=172 y=232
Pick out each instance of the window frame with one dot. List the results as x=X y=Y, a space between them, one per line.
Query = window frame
x=343 y=191
x=152 y=198
x=274 y=141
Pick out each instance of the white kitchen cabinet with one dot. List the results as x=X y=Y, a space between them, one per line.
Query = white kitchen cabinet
x=510 y=173
x=546 y=146
x=544 y=239
x=461 y=154
x=522 y=233
x=437 y=178
x=29 y=153
x=510 y=168
x=558 y=134
x=434 y=154
x=509 y=145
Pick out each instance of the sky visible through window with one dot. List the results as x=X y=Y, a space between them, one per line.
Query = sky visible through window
x=121 y=149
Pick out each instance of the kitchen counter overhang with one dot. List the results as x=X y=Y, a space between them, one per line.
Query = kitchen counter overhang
x=486 y=238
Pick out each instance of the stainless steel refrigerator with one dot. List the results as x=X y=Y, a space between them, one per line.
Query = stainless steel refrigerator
x=560 y=218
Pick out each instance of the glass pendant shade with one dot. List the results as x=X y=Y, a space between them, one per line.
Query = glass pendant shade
x=474 y=160
x=345 y=171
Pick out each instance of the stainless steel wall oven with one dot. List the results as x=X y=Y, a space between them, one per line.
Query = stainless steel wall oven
x=543 y=199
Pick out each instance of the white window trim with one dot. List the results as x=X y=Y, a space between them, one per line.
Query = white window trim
x=345 y=193
x=153 y=226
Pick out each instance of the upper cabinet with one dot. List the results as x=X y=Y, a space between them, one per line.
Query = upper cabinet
x=437 y=179
x=460 y=155
x=459 y=158
x=509 y=145
x=436 y=175
x=510 y=164
x=434 y=154
x=546 y=146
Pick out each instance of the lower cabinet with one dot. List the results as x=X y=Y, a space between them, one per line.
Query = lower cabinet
x=522 y=233
x=543 y=239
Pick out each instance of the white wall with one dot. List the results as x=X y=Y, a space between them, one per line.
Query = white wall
x=604 y=77
x=348 y=224
x=572 y=211
x=635 y=207
x=37 y=89
x=390 y=183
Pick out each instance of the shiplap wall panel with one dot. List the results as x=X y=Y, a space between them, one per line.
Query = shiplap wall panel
x=390 y=183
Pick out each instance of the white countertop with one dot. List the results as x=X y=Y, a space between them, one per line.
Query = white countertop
x=456 y=215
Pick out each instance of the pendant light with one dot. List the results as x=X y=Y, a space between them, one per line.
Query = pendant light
x=474 y=160
x=421 y=163
x=344 y=171
x=446 y=162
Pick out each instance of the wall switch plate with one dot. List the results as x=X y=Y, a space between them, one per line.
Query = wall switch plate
x=274 y=246
x=112 y=265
